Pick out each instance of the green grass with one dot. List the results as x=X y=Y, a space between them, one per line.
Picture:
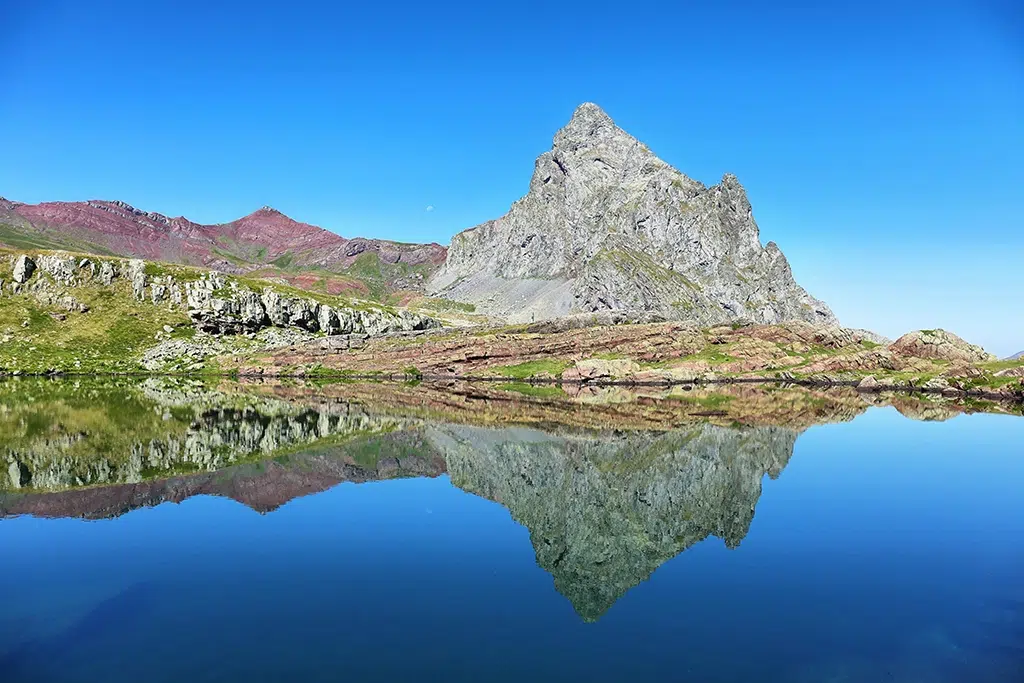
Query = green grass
x=109 y=338
x=366 y=265
x=32 y=239
x=712 y=354
x=284 y=261
x=446 y=306
x=531 y=368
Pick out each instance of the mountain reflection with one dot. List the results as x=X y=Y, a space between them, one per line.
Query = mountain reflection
x=605 y=512
x=604 y=509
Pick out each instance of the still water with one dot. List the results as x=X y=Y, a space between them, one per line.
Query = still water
x=168 y=533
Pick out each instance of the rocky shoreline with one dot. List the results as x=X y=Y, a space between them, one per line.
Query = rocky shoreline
x=661 y=354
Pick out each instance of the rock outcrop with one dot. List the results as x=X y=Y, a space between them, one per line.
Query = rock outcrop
x=939 y=345
x=216 y=303
x=608 y=225
x=23 y=269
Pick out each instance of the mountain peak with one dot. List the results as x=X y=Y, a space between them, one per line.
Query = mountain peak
x=607 y=225
x=589 y=110
x=589 y=124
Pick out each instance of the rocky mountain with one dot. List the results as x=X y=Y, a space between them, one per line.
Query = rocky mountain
x=606 y=224
x=1016 y=356
x=264 y=240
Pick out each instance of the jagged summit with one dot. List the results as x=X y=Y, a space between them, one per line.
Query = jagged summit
x=606 y=224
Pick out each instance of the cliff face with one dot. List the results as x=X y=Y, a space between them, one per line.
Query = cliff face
x=605 y=512
x=608 y=225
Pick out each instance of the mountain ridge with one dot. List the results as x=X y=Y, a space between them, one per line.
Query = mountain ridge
x=266 y=242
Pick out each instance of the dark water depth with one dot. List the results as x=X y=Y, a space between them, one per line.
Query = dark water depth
x=159 y=533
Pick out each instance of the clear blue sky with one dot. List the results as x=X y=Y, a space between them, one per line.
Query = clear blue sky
x=882 y=144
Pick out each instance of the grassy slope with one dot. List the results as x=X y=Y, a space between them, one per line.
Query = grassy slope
x=17 y=237
x=109 y=338
x=117 y=329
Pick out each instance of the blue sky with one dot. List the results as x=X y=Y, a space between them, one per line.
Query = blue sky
x=882 y=144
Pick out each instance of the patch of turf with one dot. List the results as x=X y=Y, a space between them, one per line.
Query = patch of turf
x=531 y=369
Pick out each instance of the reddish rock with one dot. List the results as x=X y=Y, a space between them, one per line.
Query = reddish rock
x=259 y=238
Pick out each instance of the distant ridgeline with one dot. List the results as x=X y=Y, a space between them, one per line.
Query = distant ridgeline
x=265 y=243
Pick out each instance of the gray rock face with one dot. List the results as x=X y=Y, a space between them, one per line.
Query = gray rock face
x=137 y=275
x=61 y=268
x=107 y=273
x=23 y=269
x=607 y=225
x=218 y=306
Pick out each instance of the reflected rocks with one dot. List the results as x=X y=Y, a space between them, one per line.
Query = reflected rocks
x=604 y=512
x=58 y=435
x=262 y=486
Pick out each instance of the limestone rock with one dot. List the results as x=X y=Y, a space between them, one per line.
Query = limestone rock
x=137 y=275
x=60 y=267
x=107 y=273
x=607 y=225
x=869 y=383
x=23 y=269
x=221 y=307
x=939 y=345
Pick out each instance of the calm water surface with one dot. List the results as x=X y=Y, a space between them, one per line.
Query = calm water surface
x=161 y=536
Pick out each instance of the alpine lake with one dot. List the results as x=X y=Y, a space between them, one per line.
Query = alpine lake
x=162 y=529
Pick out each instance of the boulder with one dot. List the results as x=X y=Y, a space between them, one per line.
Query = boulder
x=939 y=345
x=137 y=275
x=107 y=273
x=23 y=269
x=869 y=383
